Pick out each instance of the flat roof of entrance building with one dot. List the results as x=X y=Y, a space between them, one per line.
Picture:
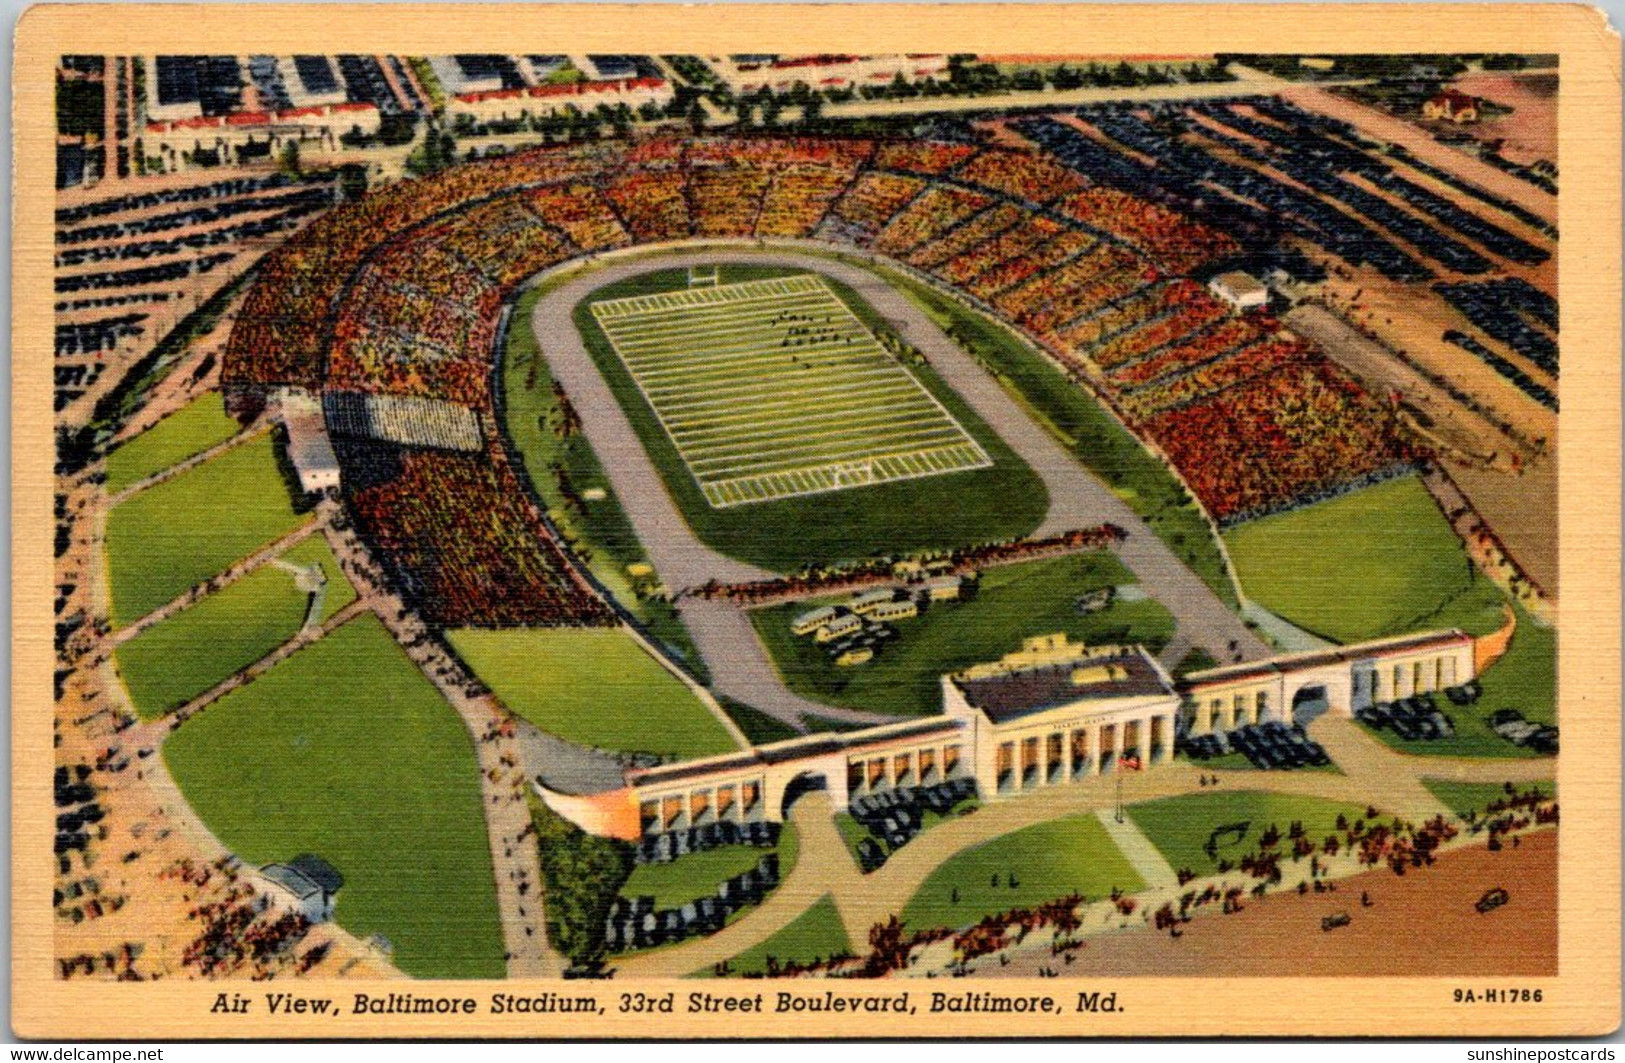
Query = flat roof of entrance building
x=1021 y=692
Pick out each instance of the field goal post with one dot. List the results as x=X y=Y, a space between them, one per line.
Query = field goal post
x=853 y=474
x=704 y=276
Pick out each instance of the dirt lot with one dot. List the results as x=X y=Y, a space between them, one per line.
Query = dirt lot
x=1530 y=131
x=1424 y=924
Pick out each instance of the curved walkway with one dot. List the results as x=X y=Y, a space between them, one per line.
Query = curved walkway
x=1077 y=497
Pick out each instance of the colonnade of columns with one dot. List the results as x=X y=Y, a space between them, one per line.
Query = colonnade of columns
x=923 y=766
x=1072 y=753
x=739 y=802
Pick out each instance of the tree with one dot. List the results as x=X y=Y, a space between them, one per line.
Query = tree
x=288 y=163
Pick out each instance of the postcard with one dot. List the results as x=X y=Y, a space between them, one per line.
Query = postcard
x=883 y=521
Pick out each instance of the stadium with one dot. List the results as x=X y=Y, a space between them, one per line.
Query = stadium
x=864 y=512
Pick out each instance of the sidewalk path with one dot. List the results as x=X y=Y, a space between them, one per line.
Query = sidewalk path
x=1145 y=858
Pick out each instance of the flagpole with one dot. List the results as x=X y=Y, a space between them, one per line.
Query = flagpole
x=1119 y=791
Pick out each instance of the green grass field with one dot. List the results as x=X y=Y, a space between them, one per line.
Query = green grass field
x=168 y=538
x=999 y=502
x=346 y=751
x=1378 y=561
x=596 y=687
x=560 y=466
x=1024 y=868
x=697 y=875
x=1181 y=826
x=814 y=935
x=773 y=388
x=188 y=431
x=1014 y=601
x=690 y=877
x=172 y=662
x=1464 y=797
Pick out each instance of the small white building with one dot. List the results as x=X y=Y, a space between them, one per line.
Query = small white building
x=1242 y=291
x=308 y=446
x=307 y=884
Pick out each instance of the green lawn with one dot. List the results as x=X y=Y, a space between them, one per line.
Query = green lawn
x=172 y=662
x=935 y=512
x=167 y=539
x=688 y=878
x=697 y=875
x=1524 y=678
x=1014 y=601
x=1181 y=826
x=346 y=751
x=1024 y=868
x=562 y=466
x=594 y=686
x=1463 y=797
x=757 y=725
x=1378 y=561
x=188 y=431
x=814 y=935
x=1098 y=441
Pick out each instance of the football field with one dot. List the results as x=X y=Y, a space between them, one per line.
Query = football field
x=774 y=388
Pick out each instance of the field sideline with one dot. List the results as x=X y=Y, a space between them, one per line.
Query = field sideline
x=774 y=388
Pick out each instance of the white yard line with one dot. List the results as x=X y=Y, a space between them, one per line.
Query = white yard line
x=657 y=336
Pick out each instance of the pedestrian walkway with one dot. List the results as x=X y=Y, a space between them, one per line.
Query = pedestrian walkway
x=1146 y=859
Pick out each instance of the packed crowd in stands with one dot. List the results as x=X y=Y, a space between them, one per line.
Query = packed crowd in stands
x=400 y=294
x=464 y=545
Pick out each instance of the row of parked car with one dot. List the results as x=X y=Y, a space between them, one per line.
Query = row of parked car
x=894 y=817
x=1510 y=725
x=1269 y=746
x=665 y=847
x=637 y=924
x=1416 y=718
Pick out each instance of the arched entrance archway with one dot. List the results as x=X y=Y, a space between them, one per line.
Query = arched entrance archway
x=1308 y=703
x=806 y=783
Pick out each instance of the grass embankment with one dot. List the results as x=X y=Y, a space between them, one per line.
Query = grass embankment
x=185 y=433
x=1181 y=827
x=346 y=751
x=815 y=935
x=177 y=659
x=593 y=686
x=1022 y=869
x=168 y=538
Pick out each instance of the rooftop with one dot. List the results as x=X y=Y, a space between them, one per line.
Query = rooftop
x=1049 y=673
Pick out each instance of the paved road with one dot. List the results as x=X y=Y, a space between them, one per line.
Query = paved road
x=741 y=669
x=1077 y=498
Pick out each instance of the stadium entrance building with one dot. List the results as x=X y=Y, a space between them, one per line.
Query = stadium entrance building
x=1344 y=678
x=1049 y=714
